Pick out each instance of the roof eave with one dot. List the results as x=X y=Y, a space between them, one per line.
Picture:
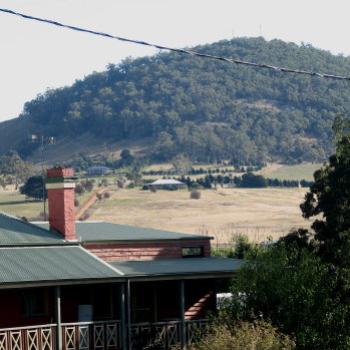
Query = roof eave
x=31 y=284
x=106 y=241
x=181 y=276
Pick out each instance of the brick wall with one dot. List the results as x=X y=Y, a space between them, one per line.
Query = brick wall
x=145 y=250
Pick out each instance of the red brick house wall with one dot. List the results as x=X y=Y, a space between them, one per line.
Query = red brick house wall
x=145 y=250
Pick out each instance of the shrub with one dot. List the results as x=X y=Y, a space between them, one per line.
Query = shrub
x=195 y=194
x=99 y=196
x=79 y=189
x=76 y=202
x=242 y=336
x=120 y=183
x=88 y=185
x=106 y=195
x=84 y=217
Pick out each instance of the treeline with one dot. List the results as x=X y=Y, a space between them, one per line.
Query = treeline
x=248 y=180
x=202 y=171
x=208 y=111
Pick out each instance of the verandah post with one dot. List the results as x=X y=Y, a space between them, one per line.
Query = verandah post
x=123 y=328
x=182 y=314
x=58 y=318
x=128 y=299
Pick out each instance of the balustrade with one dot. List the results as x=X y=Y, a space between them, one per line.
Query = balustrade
x=104 y=335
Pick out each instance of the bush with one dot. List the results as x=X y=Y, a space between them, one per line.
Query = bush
x=195 y=194
x=120 y=183
x=88 y=185
x=34 y=187
x=84 y=217
x=239 y=248
x=242 y=336
x=79 y=189
x=76 y=202
x=106 y=195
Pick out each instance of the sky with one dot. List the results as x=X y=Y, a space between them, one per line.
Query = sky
x=35 y=56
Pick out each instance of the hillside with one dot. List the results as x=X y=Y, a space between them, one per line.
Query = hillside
x=207 y=110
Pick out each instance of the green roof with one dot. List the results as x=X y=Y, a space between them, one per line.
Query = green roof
x=103 y=231
x=15 y=232
x=171 y=267
x=51 y=265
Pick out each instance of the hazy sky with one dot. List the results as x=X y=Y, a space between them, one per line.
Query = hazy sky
x=34 y=56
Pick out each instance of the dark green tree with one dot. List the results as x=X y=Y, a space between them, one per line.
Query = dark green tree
x=251 y=180
x=126 y=157
x=292 y=287
x=34 y=187
x=328 y=201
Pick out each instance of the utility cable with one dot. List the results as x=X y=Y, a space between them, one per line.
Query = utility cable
x=181 y=51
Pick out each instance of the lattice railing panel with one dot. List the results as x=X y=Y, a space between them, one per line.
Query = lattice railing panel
x=91 y=335
x=3 y=341
x=47 y=339
x=32 y=339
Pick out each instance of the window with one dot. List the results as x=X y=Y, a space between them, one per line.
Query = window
x=34 y=303
x=191 y=252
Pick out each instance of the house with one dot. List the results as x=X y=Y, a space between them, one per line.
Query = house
x=95 y=285
x=167 y=184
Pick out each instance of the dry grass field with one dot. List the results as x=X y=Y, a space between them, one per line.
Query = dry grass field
x=221 y=213
x=16 y=204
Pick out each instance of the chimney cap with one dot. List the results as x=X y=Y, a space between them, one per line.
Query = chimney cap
x=60 y=172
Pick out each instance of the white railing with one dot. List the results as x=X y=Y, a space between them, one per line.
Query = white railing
x=91 y=335
x=28 y=338
x=104 y=335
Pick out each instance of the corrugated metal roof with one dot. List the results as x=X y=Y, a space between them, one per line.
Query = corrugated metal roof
x=103 y=231
x=167 y=182
x=51 y=264
x=15 y=232
x=171 y=267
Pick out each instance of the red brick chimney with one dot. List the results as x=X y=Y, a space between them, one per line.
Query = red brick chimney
x=60 y=190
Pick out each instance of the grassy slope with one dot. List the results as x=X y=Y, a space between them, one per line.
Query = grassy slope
x=293 y=172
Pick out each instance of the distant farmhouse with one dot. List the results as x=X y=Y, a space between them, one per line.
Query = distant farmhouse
x=167 y=184
x=98 y=170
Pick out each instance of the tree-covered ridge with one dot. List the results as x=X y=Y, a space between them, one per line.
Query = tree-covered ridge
x=207 y=110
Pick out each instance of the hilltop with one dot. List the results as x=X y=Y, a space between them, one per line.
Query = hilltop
x=171 y=103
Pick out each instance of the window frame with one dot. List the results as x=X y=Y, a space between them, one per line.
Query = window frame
x=193 y=254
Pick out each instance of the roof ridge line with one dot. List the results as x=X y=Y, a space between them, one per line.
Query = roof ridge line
x=28 y=223
x=36 y=246
x=102 y=261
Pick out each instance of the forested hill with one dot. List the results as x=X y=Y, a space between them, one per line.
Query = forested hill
x=205 y=109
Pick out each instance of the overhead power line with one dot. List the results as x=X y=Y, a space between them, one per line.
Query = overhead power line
x=182 y=51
